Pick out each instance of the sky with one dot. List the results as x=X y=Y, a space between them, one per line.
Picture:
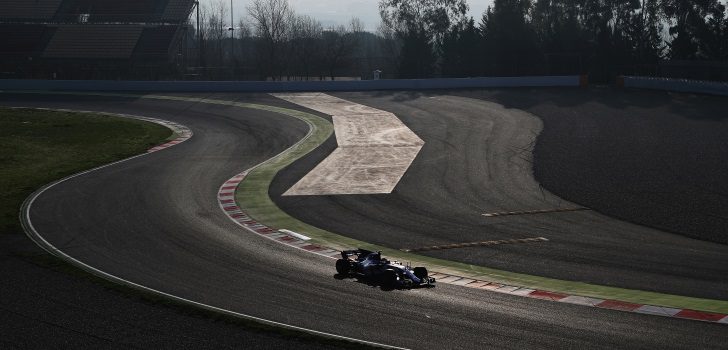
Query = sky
x=331 y=12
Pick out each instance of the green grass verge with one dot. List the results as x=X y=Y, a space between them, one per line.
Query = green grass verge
x=39 y=146
x=252 y=195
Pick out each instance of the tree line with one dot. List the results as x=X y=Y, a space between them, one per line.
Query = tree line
x=276 y=43
x=433 y=38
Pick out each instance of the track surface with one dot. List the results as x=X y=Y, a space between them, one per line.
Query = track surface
x=42 y=306
x=661 y=155
x=477 y=159
x=154 y=220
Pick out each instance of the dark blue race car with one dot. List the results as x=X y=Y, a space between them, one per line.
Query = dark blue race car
x=370 y=266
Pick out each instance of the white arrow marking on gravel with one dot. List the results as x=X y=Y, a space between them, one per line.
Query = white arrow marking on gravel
x=375 y=149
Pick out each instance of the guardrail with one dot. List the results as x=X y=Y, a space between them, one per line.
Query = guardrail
x=289 y=86
x=679 y=85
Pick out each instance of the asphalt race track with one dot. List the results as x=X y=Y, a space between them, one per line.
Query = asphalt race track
x=155 y=221
x=661 y=155
x=476 y=160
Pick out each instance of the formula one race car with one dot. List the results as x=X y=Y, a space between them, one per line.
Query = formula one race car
x=370 y=266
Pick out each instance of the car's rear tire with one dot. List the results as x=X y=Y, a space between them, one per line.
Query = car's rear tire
x=343 y=267
x=420 y=272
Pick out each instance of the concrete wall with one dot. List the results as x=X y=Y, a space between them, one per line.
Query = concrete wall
x=679 y=85
x=286 y=86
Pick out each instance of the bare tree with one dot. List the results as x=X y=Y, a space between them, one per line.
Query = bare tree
x=213 y=32
x=305 y=45
x=244 y=30
x=201 y=34
x=356 y=25
x=272 y=22
x=391 y=45
x=219 y=28
x=244 y=38
x=339 y=43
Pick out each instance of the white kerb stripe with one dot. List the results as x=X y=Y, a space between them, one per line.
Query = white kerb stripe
x=657 y=310
x=575 y=299
x=522 y=291
x=295 y=234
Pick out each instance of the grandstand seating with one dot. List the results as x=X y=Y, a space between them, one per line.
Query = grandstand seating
x=83 y=39
x=69 y=11
x=93 y=41
x=28 y=9
x=177 y=10
x=20 y=39
x=112 y=10
x=154 y=42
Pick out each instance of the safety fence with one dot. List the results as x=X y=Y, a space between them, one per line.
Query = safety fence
x=290 y=86
x=679 y=85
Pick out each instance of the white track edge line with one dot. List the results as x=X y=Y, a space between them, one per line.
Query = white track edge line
x=35 y=236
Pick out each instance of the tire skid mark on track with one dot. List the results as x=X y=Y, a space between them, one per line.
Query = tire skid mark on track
x=533 y=212
x=240 y=217
x=476 y=244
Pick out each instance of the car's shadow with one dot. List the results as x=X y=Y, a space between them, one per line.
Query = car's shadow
x=375 y=284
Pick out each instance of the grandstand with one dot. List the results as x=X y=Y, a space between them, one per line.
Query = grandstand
x=23 y=40
x=149 y=46
x=28 y=10
x=135 y=11
x=85 y=39
x=93 y=41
